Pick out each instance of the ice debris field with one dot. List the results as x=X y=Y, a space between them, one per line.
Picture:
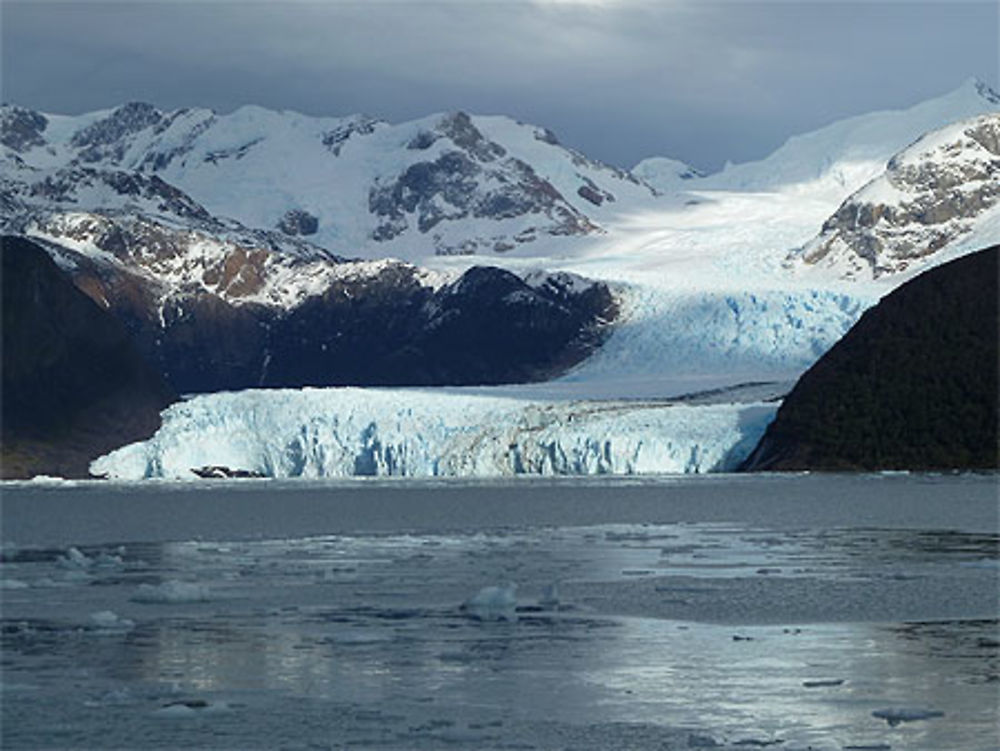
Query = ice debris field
x=727 y=612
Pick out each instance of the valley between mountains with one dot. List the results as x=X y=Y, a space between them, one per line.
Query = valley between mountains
x=463 y=295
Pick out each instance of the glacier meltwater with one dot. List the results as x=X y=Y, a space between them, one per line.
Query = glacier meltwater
x=338 y=432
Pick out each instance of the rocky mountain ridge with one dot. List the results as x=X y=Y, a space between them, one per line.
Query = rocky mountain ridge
x=355 y=185
x=929 y=195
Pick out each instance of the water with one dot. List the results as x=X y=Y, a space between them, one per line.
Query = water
x=730 y=612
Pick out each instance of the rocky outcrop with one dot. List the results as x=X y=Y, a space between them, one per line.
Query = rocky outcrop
x=107 y=139
x=359 y=125
x=298 y=222
x=65 y=186
x=475 y=179
x=930 y=195
x=21 y=129
x=74 y=386
x=913 y=385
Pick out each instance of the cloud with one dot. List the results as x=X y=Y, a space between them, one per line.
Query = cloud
x=620 y=79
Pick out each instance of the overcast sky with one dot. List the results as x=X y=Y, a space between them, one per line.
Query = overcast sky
x=699 y=80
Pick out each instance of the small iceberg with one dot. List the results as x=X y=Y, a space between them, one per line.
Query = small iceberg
x=190 y=708
x=823 y=683
x=49 y=480
x=74 y=560
x=493 y=604
x=171 y=591
x=898 y=715
x=108 y=620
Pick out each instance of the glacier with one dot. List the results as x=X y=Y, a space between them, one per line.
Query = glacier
x=704 y=269
x=343 y=432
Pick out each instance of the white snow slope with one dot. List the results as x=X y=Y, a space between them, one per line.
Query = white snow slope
x=433 y=433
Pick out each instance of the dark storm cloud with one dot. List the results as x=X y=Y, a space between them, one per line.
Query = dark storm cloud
x=702 y=81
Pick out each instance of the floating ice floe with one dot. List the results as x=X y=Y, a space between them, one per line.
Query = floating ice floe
x=493 y=604
x=75 y=560
x=108 y=620
x=190 y=708
x=897 y=715
x=171 y=591
x=49 y=480
x=823 y=683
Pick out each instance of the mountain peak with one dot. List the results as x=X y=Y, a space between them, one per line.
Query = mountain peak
x=123 y=121
x=847 y=153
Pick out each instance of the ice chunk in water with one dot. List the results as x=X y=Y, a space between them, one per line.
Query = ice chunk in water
x=896 y=715
x=493 y=604
x=191 y=707
x=74 y=559
x=171 y=591
x=108 y=620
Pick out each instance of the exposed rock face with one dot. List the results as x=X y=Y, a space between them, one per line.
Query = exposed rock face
x=488 y=327
x=379 y=327
x=65 y=186
x=298 y=222
x=74 y=386
x=358 y=125
x=21 y=129
x=913 y=385
x=475 y=179
x=107 y=138
x=930 y=194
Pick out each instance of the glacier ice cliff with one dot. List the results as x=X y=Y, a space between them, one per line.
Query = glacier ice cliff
x=342 y=432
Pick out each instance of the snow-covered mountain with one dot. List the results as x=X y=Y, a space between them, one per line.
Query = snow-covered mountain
x=192 y=222
x=930 y=194
x=841 y=157
x=665 y=175
x=447 y=184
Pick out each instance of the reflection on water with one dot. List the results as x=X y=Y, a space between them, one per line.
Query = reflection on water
x=674 y=635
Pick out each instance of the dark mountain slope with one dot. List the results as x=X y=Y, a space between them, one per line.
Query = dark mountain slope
x=74 y=387
x=913 y=385
x=360 y=324
x=487 y=327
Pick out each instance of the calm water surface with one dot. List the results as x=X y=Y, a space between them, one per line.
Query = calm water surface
x=789 y=612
